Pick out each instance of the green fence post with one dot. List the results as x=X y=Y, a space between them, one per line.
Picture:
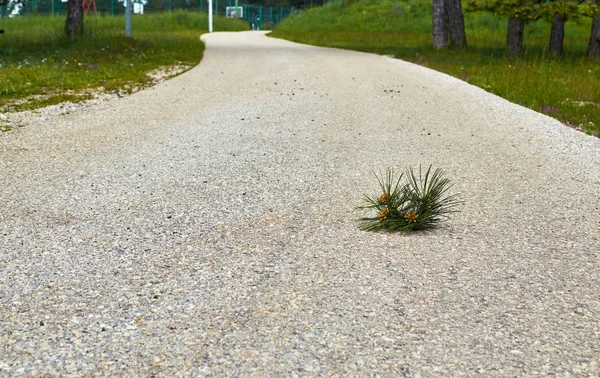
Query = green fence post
x=201 y=4
x=169 y=5
x=217 y=7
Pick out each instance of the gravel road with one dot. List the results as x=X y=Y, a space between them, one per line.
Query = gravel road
x=205 y=227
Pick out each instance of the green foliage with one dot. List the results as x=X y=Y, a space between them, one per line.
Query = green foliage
x=565 y=9
x=525 y=10
x=375 y=16
x=528 y=10
x=417 y=203
x=589 y=9
x=38 y=64
x=566 y=88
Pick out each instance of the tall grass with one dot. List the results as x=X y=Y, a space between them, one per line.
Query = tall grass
x=36 y=58
x=566 y=88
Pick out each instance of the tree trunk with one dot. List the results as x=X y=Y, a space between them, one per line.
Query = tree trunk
x=557 y=35
x=440 y=25
x=594 y=45
x=456 y=24
x=514 y=37
x=74 y=22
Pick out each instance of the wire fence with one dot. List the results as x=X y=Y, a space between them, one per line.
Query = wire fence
x=258 y=17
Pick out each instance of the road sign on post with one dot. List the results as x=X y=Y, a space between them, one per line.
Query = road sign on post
x=210 y=26
x=128 y=11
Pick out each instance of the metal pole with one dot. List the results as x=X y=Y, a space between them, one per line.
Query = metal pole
x=128 y=12
x=216 y=6
x=169 y=5
x=52 y=7
x=201 y=3
x=112 y=7
x=210 y=16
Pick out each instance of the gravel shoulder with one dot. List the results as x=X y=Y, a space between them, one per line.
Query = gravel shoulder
x=205 y=227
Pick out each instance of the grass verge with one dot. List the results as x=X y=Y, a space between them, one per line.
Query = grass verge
x=39 y=67
x=566 y=88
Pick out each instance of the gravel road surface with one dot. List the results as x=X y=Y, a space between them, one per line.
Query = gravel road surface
x=206 y=227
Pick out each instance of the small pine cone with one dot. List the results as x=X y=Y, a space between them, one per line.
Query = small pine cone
x=383 y=198
x=383 y=214
x=411 y=217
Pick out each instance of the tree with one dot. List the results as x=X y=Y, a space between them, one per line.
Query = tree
x=456 y=24
x=518 y=12
x=514 y=36
x=594 y=44
x=3 y=4
x=74 y=22
x=559 y=12
x=440 y=25
x=448 y=25
x=557 y=35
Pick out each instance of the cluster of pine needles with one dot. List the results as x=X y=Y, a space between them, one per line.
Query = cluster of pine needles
x=409 y=203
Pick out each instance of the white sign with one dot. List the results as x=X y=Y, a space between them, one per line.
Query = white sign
x=231 y=12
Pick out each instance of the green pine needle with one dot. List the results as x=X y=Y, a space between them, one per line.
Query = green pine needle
x=420 y=203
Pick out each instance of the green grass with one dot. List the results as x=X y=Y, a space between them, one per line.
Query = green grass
x=566 y=88
x=39 y=67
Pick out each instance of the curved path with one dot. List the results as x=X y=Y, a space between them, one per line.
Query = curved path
x=205 y=227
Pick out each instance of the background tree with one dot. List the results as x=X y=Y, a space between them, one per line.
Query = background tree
x=74 y=22
x=456 y=24
x=518 y=12
x=593 y=10
x=448 y=25
x=558 y=12
x=3 y=4
x=440 y=25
